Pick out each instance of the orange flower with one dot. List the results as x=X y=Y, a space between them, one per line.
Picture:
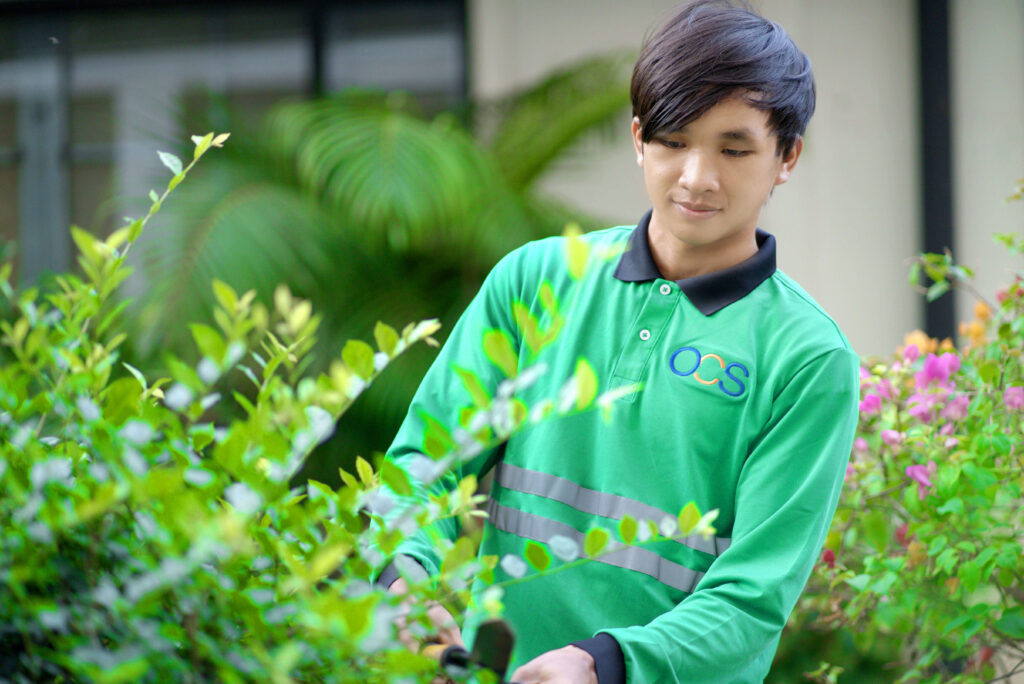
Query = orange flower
x=981 y=311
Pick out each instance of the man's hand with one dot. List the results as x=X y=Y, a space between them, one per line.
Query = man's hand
x=567 y=665
x=447 y=633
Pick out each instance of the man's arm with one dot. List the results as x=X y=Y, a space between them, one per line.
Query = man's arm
x=786 y=495
x=440 y=399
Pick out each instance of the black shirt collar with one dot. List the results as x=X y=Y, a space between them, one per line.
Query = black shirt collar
x=710 y=292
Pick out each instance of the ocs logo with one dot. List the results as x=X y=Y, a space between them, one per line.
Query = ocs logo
x=687 y=361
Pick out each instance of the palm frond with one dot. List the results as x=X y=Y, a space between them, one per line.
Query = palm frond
x=541 y=123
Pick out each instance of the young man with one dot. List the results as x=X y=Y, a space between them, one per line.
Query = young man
x=749 y=390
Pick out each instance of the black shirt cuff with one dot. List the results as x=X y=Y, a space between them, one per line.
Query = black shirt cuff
x=412 y=567
x=608 y=659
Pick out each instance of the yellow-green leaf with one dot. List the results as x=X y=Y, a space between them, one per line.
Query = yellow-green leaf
x=462 y=552
x=209 y=341
x=87 y=244
x=576 y=251
x=386 y=337
x=498 y=348
x=481 y=399
x=628 y=529
x=395 y=479
x=437 y=441
x=326 y=560
x=202 y=144
x=528 y=326
x=595 y=541
x=358 y=356
x=225 y=294
x=586 y=384
x=365 y=471
x=688 y=518
x=537 y=556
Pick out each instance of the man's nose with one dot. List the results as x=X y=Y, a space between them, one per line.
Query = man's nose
x=699 y=174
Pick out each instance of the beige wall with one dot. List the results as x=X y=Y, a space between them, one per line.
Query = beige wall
x=849 y=218
x=988 y=117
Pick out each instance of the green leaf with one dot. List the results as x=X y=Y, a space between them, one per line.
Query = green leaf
x=481 y=399
x=937 y=545
x=537 y=556
x=954 y=505
x=876 y=529
x=499 y=351
x=87 y=243
x=225 y=294
x=586 y=384
x=595 y=541
x=461 y=552
x=937 y=290
x=209 y=341
x=386 y=337
x=437 y=441
x=576 y=253
x=202 y=144
x=528 y=325
x=365 y=471
x=171 y=162
x=358 y=356
x=628 y=527
x=970 y=575
x=395 y=479
x=989 y=372
x=357 y=612
x=1012 y=622
x=688 y=518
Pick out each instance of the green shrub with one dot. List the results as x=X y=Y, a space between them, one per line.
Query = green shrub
x=144 y=542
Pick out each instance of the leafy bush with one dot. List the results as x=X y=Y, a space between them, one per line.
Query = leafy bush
x=144 y=542
x=924 y=560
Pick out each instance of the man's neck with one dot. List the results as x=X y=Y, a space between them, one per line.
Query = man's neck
x=677 y=260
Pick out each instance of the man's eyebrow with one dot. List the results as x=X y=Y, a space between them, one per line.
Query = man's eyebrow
x=741 y=134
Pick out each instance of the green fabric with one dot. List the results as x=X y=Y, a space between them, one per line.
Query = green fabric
x=771 y=459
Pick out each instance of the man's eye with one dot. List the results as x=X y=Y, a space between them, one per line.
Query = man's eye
x=671 y=144
x=735 y=153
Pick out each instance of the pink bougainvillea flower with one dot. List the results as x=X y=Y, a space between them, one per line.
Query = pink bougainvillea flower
x=911 y=353
x=892 y=437
x=956 y=409
x=1013 y=398
x=920 y=410
x=828 y=557
x=860 y=446
x=922 y=474
x=947 y=429
x=937 y=370
x=849 y=471
x=871 y=404
x=951 y=442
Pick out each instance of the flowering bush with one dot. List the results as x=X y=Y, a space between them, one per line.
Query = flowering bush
x=924 y=556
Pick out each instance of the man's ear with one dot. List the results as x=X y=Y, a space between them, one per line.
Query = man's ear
x=638 y=142
x=789 y=161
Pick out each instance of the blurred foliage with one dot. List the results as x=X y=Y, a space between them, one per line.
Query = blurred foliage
x=144 y=541
x=366 y=207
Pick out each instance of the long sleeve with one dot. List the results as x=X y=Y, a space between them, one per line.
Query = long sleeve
x=442 y=400
x=786 y=495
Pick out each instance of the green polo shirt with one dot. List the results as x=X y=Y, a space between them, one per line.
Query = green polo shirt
x=748 y=406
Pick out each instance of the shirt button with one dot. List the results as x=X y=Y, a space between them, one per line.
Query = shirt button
x=665 y=288
x=645 y=334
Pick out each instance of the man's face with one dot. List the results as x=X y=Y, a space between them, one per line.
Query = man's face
x=708 y=181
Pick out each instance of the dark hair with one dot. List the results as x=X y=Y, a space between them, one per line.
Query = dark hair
x=710 y=50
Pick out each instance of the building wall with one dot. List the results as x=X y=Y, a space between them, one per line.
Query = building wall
x=849 y=218
x=988 y=146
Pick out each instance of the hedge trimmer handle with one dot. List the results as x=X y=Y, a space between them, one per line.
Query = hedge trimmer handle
x=492 y=650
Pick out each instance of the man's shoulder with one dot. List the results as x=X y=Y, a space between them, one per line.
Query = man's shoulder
x=798 y=317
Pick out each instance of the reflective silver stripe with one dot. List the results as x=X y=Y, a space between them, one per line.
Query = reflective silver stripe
x=596 y=503
x=542 y=529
